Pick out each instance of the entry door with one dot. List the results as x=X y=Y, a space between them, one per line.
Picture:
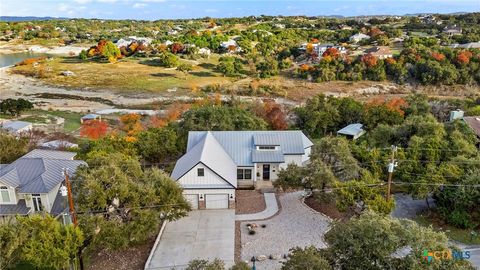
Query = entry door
x=266 y=171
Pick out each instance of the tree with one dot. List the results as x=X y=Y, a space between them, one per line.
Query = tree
x=125 y=204
x=290 y=177
x=94 y=129
x=309 y=258
x=198 y=264
x=12 y=147
x=157 y=144
x=83 y=55
x=185 y=68
x=318 y=175
x=268 y=67
x=15 y=106
x=49 y=243
x=176 y=48
x=371 y=240
x=168 y=59
x=12 y=238
x=131 y=124
x=111 y=52
x=369 y=60
x=318 y=116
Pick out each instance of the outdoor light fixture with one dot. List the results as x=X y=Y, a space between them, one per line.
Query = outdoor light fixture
x=231 y=196
x=63 y=191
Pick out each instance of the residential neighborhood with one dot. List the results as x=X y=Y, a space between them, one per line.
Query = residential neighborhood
x=222 y=135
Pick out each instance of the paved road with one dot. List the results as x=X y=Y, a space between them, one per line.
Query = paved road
x=407 y=207
x=296 y=225
x=270 y=209
x=475 y=257
x=204 y=234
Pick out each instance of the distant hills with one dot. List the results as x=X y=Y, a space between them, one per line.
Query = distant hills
x=28 y=18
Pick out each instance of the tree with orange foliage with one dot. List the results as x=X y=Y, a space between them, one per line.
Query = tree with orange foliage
x=94 y=129
x=272 y=113
x=369 y=60
x=176 y=48
x=438 y=56
x=309 y=48
x=375 y=32
x=314 y=40
x=172 y=114
x=463 y=57
x=131 y=124
x=332 y=52
x=232 y=48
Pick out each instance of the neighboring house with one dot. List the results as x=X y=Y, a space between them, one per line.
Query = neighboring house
x=471 y=45
x=32 y=183
x=381 y=52
x=358 y=37
x=125 y=42
x=458 y=114
x=90 y=116
x=204 y=51
x=59 y=144
x=217 y=162
x=352 y=131
x=474 y=123
x=452 y=30
x=229 y=44
x=16 y=127
x=319 y=49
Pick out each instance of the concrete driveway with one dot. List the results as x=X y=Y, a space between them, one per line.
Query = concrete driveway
x=204 y=234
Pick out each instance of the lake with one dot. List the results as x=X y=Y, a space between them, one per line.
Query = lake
x=13 y=58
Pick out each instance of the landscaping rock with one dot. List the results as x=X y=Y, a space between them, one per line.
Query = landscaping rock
x=262 y=258
x=67 y=73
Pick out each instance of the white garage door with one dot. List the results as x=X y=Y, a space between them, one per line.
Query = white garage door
x=216 y=201
x=192 y=199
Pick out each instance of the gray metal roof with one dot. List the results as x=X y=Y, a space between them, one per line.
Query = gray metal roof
x=38 y=174
x=50 y=154
x=208 y=151
x=15 y=125
x=59 y=205
x=239 y=144
x=267 y=156
x=14 y=209
x=90 y=116
x=352 y=129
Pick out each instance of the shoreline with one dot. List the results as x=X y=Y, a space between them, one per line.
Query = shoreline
x=54 y=50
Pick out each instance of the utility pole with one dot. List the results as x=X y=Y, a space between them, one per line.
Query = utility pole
x=391 y=167
x=73 y=214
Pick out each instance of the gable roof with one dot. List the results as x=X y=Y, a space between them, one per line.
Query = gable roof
x=208 y=151
x=352 y=129
x=34 y=173
x=474 y=123
x=15 y=125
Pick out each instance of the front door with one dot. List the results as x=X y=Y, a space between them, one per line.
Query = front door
x=266 y=171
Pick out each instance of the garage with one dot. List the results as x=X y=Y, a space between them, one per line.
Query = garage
x=216 y=201
x=192 y=199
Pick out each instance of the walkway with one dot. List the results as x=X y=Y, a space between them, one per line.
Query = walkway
x=271 y=208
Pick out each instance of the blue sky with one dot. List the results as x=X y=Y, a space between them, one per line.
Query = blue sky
x=170 y=9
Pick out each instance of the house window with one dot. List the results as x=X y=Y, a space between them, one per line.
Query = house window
x=200 y=172
x=4 y=194
x=244 y=174
x=37 y=202
x=266 y=147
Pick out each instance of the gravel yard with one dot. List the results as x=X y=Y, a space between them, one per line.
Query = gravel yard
x=296 y=225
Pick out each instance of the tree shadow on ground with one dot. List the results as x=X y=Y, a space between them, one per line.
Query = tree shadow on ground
x=151 y=62
x=163 y=75
x=207 y=65
x=202 y=74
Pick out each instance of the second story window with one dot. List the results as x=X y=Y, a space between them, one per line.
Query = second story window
x=200 y=172
x=4 y=195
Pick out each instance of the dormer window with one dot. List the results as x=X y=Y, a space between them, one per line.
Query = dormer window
x=266 y=147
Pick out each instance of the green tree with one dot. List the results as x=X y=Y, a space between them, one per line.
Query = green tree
x=185 y=68
x=268 y=67
x=83 y=55
x=157 y=144
x=49 y=243
x=318 y=116
x=309 y=258
x=12 y=239
x=15 y=106
x=130 y=202
x=372 y=240
x=168 y=59
x=198 y=264
x=12 y=147
x=290 y=177
x=111 y=52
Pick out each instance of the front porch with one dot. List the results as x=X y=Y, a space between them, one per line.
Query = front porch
x=264 y=186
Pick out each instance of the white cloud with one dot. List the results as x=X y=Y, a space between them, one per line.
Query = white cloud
x=83 y=1
x=107 y=1
x=139 y=5
x=211 y=10
x=62 y=7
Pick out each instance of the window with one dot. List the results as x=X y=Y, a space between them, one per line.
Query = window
x=200 y=172
x=270 y=147
x=37 y=202
x=4 y=194
x=244 y=174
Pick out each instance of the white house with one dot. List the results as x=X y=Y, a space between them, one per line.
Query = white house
x=319 y=49
x=32 y=183
x=229 y=44
x=16 y=127
x=358 y=37
x=217 y=162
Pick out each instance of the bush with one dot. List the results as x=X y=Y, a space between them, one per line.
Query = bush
x=459 y=218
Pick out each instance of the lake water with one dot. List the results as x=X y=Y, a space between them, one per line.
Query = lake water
x=13 y=58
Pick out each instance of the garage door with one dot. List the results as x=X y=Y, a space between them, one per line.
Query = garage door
x=192 y=199
x=216 y=201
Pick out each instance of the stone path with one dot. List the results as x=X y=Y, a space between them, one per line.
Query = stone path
x=295 y=226
x=271 y=208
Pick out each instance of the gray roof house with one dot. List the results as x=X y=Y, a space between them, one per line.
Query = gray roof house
x=16 y=127
x=352 y=131
x=218 y=162
x=32 y=182
x=90 y=116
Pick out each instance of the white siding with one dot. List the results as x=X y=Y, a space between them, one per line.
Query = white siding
x=209 y=178
x=306 y=156
x=289 y=159
x=51 y=198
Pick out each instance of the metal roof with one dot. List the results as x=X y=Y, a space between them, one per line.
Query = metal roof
x=474 y=123
x=15 y=125
x=34 y=174
x=352 y=129
x=239 y=144
x=266 y=139
x=208 y=151
x=14 y=209
x=90 y=116
x=50 y=154
x=259 y=156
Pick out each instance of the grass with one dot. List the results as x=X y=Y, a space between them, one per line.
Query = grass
x=72 y=119
x=460 y=235
x=131 y=75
